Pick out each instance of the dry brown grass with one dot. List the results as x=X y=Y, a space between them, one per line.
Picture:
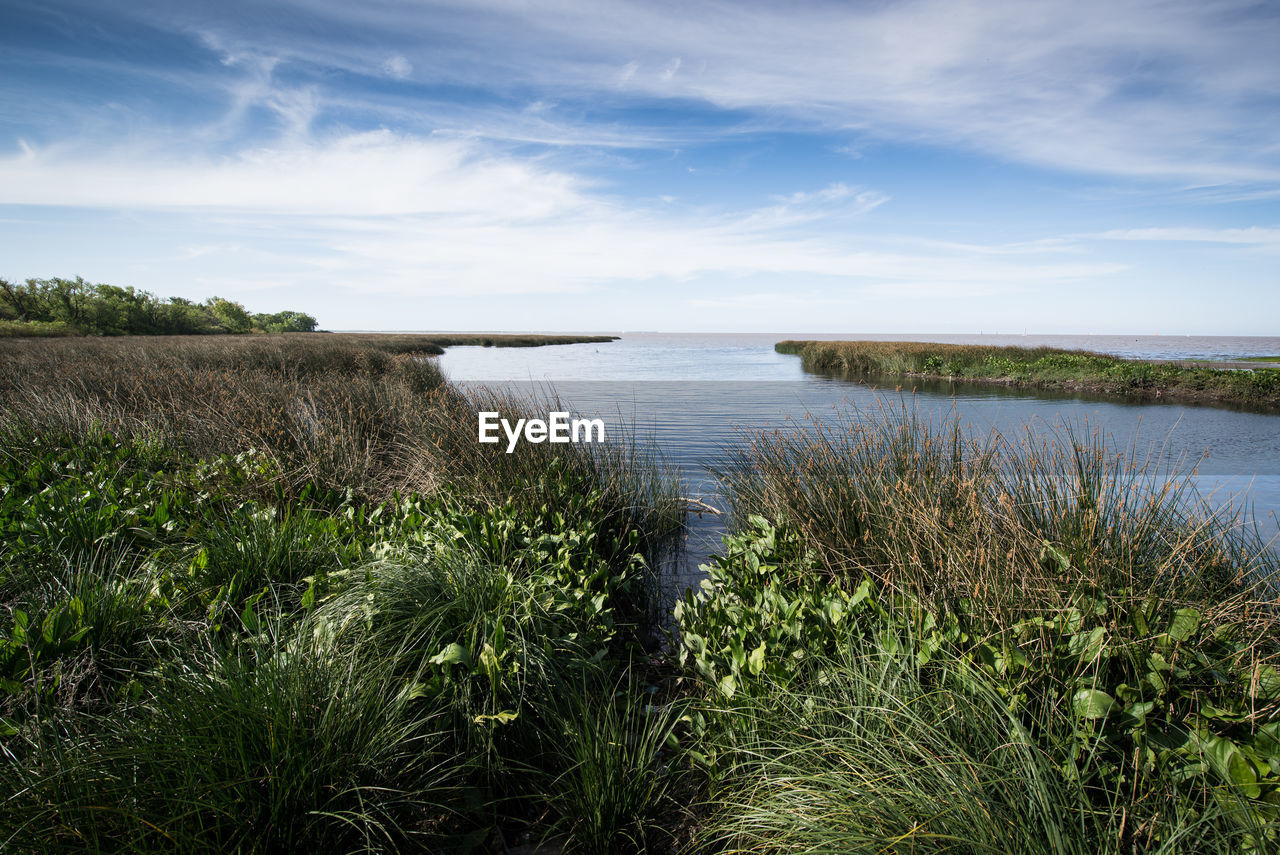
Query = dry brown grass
x=363 y=414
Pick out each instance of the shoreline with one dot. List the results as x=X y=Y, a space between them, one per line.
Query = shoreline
x=1256 y=389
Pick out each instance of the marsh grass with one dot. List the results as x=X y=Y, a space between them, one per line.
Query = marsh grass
x=874 y=752
x=617 y=790
x=944 y=515
x=950 y=642
x=263 y=596
x=259 y=748
x=269 y=594
x=1040 y=367
x=366 y=415
x=218 y=699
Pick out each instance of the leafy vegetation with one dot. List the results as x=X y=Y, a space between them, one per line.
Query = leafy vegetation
x=1041 y=367
x=50 y=307
x=184 y=669
x=269 y=594
x=918 y=642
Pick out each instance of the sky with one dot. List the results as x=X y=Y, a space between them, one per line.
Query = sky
x=948 y=166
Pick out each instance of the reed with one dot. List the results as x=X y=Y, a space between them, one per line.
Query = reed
x=269 y=594
x=879 y=753
x=921 y=591
x=362 y=414
x=1040 y=367
x=928 y=510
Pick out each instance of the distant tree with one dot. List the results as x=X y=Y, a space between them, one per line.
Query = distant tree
x=232 y=316
x=77 y=306
x=182 y=317
x=67 y=299
x=124 y=311
x=22 y=302
x=285 y=321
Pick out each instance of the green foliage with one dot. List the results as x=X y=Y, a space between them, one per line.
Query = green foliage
x=870 y=750
x=1154 y=713
x=1120 y=644
x=616 y=789
x=267 y=593
x=763 y=610
x=282 y=322
x=35 y=329
x=49 y=307
x=1162 y=701
x=232 y=317
x=183 y=668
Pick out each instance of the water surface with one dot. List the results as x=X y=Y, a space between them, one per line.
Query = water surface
x=694 y=395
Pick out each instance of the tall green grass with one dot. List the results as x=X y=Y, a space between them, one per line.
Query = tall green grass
x=946 y=516
x=267 y=599
x=360 y=414
x=270 y=595
x=919 y=640
x=355 y=678
x=872 y=751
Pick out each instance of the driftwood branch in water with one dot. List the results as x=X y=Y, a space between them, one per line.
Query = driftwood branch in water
x=699 y=506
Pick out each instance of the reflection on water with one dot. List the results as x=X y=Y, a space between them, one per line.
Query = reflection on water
x=693 y=396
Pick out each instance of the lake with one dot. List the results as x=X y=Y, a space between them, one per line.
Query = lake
x=693 y=395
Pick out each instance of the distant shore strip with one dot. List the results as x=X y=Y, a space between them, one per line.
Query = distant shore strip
x=1071 y=371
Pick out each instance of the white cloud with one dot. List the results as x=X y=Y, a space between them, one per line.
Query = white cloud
x=627 y=72
x=1171 y=89
x=805 y=207
x=412 y=215
x=378 y=173
x=1165 y=89
x=398 y=67
x=1251 y=236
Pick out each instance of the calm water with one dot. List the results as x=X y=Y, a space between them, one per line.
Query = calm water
x=693 y=395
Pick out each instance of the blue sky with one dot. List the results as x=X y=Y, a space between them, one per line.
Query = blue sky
x=941 y=166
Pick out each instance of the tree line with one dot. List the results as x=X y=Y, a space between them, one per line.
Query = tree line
x=74 y=306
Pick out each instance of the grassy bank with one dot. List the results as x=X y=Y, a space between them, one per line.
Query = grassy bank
x=269 y=594
x=918 y=642
x=1041 y=367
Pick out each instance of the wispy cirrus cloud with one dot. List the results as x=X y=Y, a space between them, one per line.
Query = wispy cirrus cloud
x=1168 y=89
x=1251 y=236
x=1153 y=89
